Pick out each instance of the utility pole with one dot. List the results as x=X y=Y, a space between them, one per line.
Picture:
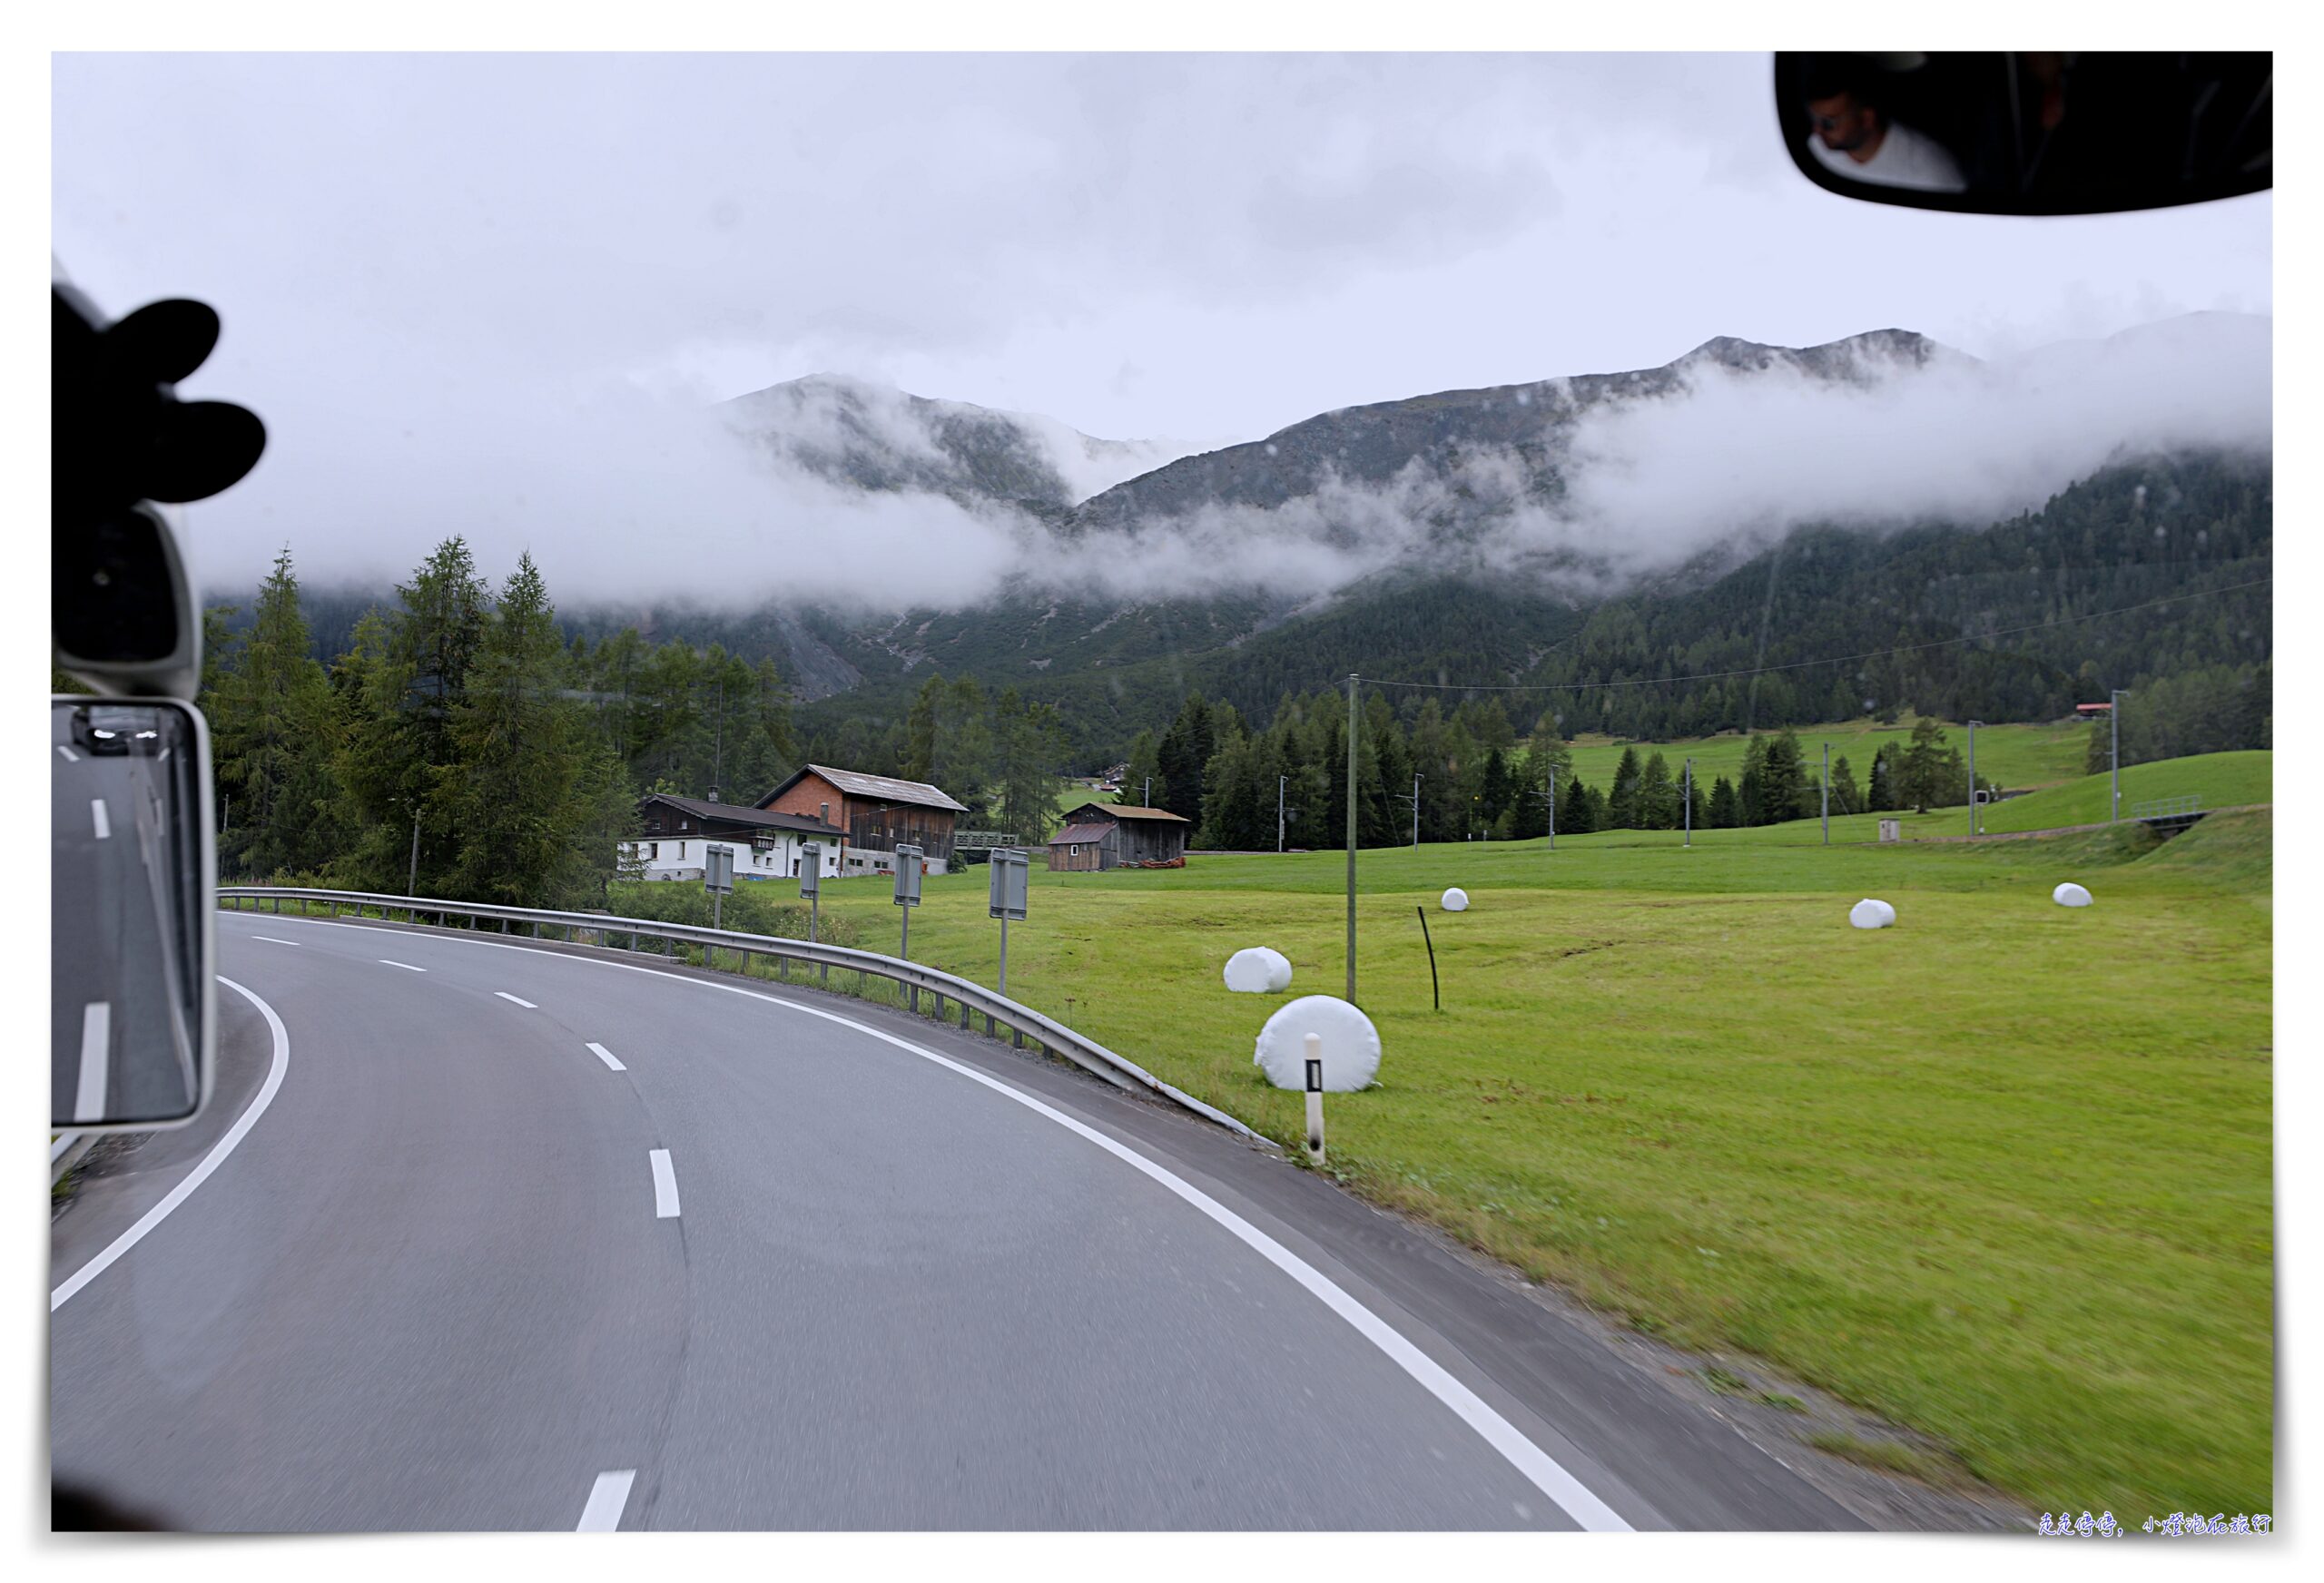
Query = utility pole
x=1415 y=800
x=1351 y=680
x=2114 y=750
x=1689 y=801
x=1976 y=824
x=1280 y=781
x=1554 y=808
x=1828 y=793
x=1150 y=796
x=412 y=885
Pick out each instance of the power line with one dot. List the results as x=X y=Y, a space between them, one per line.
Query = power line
x=1805 y=664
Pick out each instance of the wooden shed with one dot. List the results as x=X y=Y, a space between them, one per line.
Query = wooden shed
x=1105 y=835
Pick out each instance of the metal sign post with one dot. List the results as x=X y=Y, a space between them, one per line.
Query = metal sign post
x=907 y=860
x=717 y=878
x=811 y=884
x=1011 y=872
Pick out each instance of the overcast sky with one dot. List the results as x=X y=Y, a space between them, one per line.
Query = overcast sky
x=1198 y=248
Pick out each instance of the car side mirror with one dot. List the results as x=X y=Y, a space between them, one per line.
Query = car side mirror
x=133 y=890
x=2030 y=132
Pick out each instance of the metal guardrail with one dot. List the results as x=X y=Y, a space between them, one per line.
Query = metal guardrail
x=599 y=929
x=2167 y=808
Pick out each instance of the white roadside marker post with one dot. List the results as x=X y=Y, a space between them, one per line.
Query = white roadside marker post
x=1316 y=1099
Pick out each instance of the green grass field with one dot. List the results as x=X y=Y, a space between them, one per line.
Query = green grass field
x=2007 y=756
x=1074 y=797
x=2221 y=780
x=2002 y=1173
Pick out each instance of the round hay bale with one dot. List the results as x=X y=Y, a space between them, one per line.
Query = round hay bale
x=2070 y=895
x=1455 y=900
x=1258 y=970
x=1870 y=913
x=1351 y=1045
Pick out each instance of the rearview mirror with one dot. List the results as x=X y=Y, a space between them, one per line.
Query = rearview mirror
x=131 y=888
x=2033 y=133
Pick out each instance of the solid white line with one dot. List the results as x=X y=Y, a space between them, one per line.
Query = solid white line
x=665 y=1187
x=1539 y=1468
x=97 y=1061
x=607 y=1495
x=407 y=966
x=70 y=756
x=607 y=1056
x=97 y=812
x=517 y=999
x=269 y=939
x=199 y=1174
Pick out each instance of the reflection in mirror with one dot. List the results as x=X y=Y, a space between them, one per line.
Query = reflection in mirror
x=2031 y=132
x=130 y=892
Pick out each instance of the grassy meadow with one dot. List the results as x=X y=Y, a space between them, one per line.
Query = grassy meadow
x=2002 y=1173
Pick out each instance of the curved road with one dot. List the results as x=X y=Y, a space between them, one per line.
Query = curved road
x=504 y=1236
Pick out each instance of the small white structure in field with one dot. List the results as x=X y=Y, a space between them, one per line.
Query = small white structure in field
x=1869 y=913
x=1351 y=1045
x=1455 y=900
x=2070 y=895
x=1258 y=970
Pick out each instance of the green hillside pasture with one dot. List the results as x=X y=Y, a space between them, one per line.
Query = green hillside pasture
x=2007 y=756
x=2002 y=1173
x=2221 y=780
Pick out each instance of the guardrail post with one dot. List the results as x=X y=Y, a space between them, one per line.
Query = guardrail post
x=1316 y=1097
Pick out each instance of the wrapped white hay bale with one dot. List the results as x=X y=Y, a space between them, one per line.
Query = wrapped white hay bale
x=1351 y=1045
x=2070 y=895
x=1455 y=900
x=1869 y=913
x=1258 y=970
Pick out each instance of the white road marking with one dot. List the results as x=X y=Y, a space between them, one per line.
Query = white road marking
x=97 y=1061
x=97 y=812
x=407 y=966
x=607 y=1495
x=607 y=1056
x=665 y=1185
x=70 y=756
x=1538 y=1467
x=269 y=939
x=199 y=1174
x=519 y=999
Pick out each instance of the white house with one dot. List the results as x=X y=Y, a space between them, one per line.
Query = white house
x=678 y=832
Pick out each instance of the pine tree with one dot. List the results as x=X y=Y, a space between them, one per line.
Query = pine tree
x=1658 y=807
x=1031 y=744
x=1724 y=811
x=1184 y=750
x=1622 y=802
x=1846 y=798
x=1576 y=814
x=274 y=733
x=1926 y=769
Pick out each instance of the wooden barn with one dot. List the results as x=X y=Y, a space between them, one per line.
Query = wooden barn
x=1105 y=835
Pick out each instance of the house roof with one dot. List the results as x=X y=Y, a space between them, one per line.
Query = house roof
x=1122 y=811
x=881 y=787
x=1076 y=834
x=740 y=813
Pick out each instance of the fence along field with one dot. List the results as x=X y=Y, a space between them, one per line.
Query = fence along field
x=1963 y=1172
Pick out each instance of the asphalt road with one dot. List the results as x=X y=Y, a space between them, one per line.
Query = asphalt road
x=778 y=1261
x=116 y=1047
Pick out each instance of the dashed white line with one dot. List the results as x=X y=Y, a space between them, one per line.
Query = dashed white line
x=607 y=1495
x=70 y=756
x=407 y=966
x=518 y=999
x=200 y=1174
x=665 y=1187
x=272 y=941
x=97 y=1061
x=607 y=1056
x=103 y=821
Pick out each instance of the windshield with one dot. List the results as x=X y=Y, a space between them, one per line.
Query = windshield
x=1222 y=791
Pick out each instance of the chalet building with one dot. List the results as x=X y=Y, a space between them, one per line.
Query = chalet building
x=876 y=812
x=677 y=831
x=1107 y=835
